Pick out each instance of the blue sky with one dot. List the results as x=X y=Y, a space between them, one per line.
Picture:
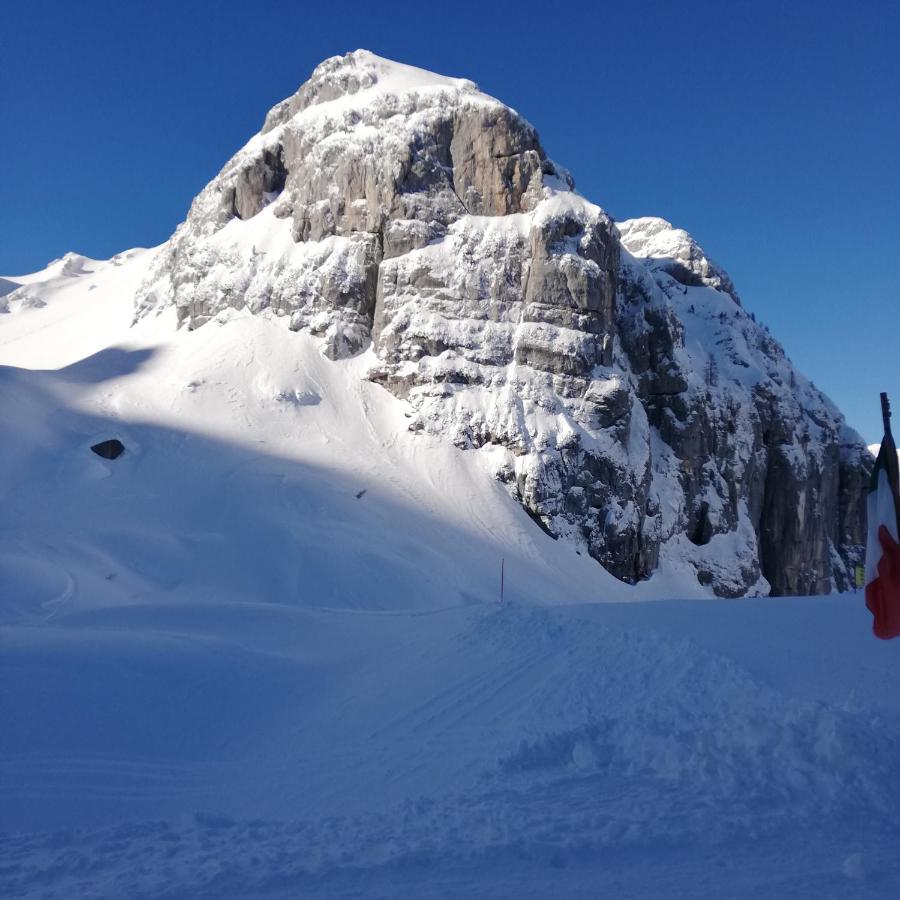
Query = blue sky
x=769 y=130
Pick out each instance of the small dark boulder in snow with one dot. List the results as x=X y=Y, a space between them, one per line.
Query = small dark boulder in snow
x=111 y=449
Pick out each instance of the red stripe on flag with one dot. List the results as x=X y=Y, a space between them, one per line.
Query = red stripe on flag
x=883 y=594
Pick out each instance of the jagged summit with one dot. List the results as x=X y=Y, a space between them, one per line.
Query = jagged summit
x=366 y=149
x=607 y=374
x=361 y=78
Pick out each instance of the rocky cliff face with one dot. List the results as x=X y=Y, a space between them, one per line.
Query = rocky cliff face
x=607 y=372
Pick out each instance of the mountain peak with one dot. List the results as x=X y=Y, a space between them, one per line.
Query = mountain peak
x=608 y=375
x=341 y=84
x=373 y=69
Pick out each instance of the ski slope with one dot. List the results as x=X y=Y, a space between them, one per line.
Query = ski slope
x=262 y=653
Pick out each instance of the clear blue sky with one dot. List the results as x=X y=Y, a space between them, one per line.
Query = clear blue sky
x=769 y=130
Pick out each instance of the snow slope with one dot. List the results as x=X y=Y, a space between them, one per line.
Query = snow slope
x=263 y=445
x=261 y=654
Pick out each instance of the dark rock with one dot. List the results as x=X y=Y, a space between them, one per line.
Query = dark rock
x=111 y=449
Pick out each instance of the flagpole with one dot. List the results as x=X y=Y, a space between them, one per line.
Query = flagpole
x=892 y=470
x=886 y=413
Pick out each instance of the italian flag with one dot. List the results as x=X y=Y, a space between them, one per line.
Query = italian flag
x=882 y=549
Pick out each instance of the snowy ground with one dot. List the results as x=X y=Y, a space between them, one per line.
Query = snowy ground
x=261 y=654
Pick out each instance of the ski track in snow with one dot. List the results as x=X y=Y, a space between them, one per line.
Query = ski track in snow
x=260 y=655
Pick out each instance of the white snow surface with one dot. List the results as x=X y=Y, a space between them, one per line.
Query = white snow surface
x=261 y=654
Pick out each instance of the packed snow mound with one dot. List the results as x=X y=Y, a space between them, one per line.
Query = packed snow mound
x=251 y=749
x=24 y=292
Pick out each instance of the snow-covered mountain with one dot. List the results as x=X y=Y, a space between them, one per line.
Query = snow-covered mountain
x=262 y=653
x=607 y=370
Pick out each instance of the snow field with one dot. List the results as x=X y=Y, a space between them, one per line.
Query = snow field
x=261 y=654
x=262 y=748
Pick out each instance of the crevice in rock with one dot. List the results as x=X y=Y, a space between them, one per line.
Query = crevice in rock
x=372 y=272
x=540 y=522
x=257 y=183
x=702 y=531
x=456 y=194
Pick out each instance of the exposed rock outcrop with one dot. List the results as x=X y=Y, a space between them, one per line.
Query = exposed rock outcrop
x=607 y=372
x=109 y=449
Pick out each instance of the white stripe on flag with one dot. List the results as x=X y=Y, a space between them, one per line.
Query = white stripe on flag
x=881 y=512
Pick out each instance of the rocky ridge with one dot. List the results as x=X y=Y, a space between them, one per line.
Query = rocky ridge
x=607 y=372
